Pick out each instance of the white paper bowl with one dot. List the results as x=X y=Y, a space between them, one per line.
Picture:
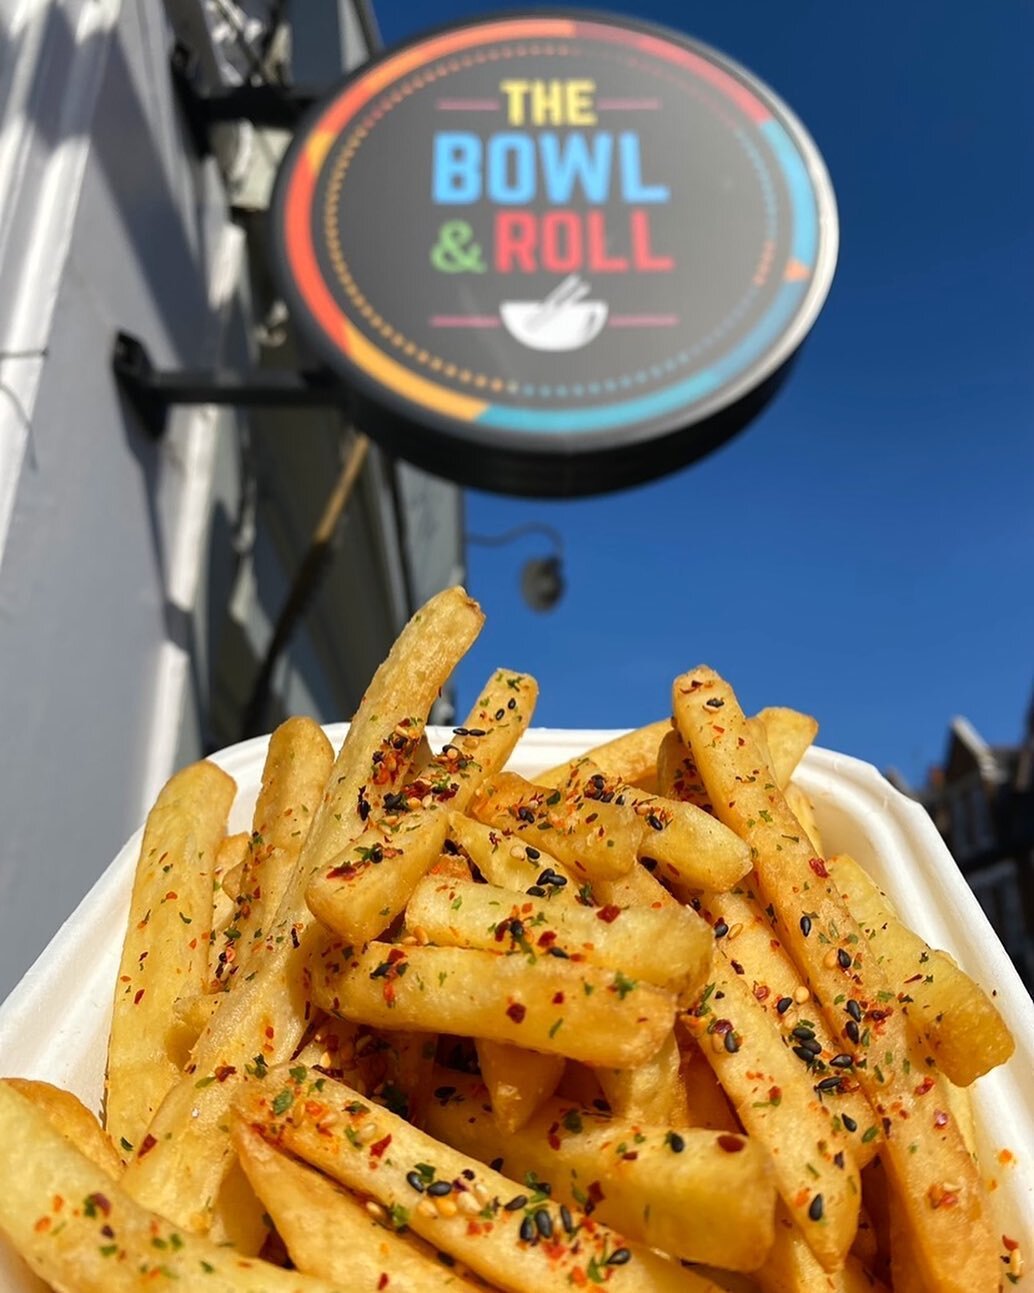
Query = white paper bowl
x=54 y=1025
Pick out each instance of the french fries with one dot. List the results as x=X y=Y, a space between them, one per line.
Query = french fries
x=956 y=1016
x=446 y=1027
x=165 y=953
x=701 y=1196
x=937 y=1185
x=581 y=1011
x=517 y=1238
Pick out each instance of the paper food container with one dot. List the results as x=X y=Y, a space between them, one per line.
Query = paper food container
x=54 y=1025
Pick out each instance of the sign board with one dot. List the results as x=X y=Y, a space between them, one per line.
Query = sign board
x=554 y=254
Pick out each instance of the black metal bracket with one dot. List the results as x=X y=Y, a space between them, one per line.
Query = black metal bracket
x=273 y=106
x=152 y=392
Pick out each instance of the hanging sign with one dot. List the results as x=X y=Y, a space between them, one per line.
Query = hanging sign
x=554 y=254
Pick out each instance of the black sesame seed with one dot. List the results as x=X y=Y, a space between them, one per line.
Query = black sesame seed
x=559 y=952
x=516 y=928
x=720 y=929
x=805 y=1033
x=654 y=821
x=805 y=925
x=815 y=1208
x=439 y=1189
x=500 y=713
x=525 y=814
x=619 y=1257
x=516 y=1203
x=828 y=1084
x=844 y=958
x=528 y=1230
x=467 y=1174
x=843 y=1061
x=784 y=1004
x=849 y=1122
x=496 y=1165
x=566 y=1219
x=414 y=1179
x=732 y=1043
x=804 y=1055
x=533 y=855
x=675 y=1142
x=854 y=1010
x=544 y=1223
x=511 y=703
x=851 y=1031
x=536 y=891
x=811 y=1045
x=460 y=731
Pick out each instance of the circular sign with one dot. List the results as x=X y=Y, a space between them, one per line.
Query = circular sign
x=554 y=254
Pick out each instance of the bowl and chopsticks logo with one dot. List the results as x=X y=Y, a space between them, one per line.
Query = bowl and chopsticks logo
x=549 y=232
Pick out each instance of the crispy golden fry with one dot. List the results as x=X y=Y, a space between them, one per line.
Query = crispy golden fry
x=707 y=1105
x=751 y=952
x=296 y=769
x=772 y=1092
x=165 y=952
x=329 y=1233
x=699 y=1195
x=671 y=948
x=937 y=1183
x=73 y=1120
x=693 y=849
x=366 y=886
x=677 y=775
x=78 y=1229
x=791 y=1267
x=506 y=859
x=652 y=1091
x=181 y=1163
x=629 y=757
x=375 y=1153
x=637 y=888
x=788 y=734
x=801 y=806
x=585 y=1012
x=194 y=1013
x=966 y=1033
x=595 y=841
x=518 y=1081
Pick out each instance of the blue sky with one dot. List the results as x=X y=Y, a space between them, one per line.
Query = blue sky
x=865 y=550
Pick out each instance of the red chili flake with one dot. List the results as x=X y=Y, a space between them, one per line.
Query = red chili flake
x=731 y=1144
x=100 y=1202
x=762 y=991
x=940 y=1118
x=1010 y=1245
x=558 y=998
x=224 y=1071
x=610 y=913
x=516 y=1011
x=631 y=1156
x=775 y=1094
x=553 y=1140
x=270 y=1031
x=42 y=1225
x=136 y=999
x=819 y=867
x=379 y=1146
x=924 y=1086
x=595 y=1193
x=146 y=1145
x=382 y=1283
x=548 y=938
x=396 y=954
x=722 y=1026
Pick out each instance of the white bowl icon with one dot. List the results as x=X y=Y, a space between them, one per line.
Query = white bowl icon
x=563 y=321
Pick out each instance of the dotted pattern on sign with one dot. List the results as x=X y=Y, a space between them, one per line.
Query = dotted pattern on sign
x=485 y=382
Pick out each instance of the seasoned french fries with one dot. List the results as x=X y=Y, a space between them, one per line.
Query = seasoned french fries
x=180 y=1165
x=78 y=1229
x=368 y=884
x=330 y=1233
x=701 y=1196
x=937 y=1185
x=165 y=953
x=956 y=1016
x=544 y=1003
x=517 y=1238
x=429 y=1024
x=670 y=948
x=595 y=840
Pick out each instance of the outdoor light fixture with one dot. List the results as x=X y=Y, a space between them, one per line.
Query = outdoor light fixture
x=542 y=578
